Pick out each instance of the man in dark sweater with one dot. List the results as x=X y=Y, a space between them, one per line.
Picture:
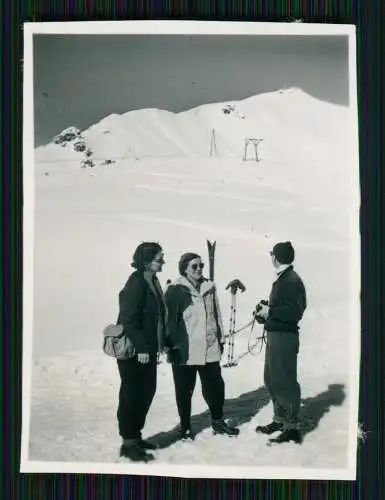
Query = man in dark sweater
x=280 y=316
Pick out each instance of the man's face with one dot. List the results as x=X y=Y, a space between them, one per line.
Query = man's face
x=274 y=259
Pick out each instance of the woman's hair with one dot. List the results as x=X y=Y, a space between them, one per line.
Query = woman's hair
x=144 y=254
x=184 y=261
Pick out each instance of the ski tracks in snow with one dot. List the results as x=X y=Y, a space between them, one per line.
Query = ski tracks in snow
x=213 y=230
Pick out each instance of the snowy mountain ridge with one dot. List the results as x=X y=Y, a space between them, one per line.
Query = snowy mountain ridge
x=281 y=119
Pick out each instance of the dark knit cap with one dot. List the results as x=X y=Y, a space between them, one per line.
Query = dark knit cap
x=144 y=254
x=284 y=252
x=185 y=259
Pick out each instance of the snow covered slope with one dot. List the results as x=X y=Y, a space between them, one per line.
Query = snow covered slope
x=291 y=124
x=89 y=221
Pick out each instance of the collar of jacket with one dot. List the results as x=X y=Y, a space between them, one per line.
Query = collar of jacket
x=282 y=270
x=184 y=283
x=151 y=281
x=149 y=277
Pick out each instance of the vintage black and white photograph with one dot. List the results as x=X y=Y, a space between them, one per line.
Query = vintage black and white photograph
x=191 y=283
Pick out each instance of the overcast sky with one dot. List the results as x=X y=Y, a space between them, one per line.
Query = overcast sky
x=79 y=79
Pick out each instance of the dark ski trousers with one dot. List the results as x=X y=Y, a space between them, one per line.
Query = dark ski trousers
x=213 y=389
x=280 y=376
x=137 y=390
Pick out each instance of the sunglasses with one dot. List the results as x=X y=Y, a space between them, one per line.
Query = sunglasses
x=194 y=267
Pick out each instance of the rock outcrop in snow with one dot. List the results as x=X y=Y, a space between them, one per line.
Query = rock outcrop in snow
x=230 y=109
x=67 y=135
x=72 y=138
x=80 y=146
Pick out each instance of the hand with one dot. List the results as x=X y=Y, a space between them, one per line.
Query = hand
x=263 y=311
x=174 y=356
x=221 y=348
x=143 y=357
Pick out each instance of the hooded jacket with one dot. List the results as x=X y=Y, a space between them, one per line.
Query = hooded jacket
x=193 y=328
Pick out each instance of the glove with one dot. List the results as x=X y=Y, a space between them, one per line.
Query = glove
x=263 y=311
x=259 y=320
x=221 y=348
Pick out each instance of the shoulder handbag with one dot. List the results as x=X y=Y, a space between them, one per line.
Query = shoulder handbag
x=116 y=344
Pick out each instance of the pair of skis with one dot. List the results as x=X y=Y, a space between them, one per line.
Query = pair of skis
x=233 y=286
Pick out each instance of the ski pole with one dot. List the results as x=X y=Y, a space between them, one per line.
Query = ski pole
x=234 y=286
x=230 y=350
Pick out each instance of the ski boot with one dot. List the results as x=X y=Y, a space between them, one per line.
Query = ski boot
x=288 y=435
x=221 y=427
x=132 y=449
x=186 y=435
x=270 y=428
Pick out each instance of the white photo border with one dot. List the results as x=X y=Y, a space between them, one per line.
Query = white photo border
x=182 y=28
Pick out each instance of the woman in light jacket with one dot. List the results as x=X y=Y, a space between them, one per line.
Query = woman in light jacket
x=195 y=338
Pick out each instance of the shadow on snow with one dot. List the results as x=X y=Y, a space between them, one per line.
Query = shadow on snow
x=237 y=410
x=242 y=409
x=315 y=408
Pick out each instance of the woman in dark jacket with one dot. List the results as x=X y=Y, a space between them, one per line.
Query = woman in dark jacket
x=143 y=315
